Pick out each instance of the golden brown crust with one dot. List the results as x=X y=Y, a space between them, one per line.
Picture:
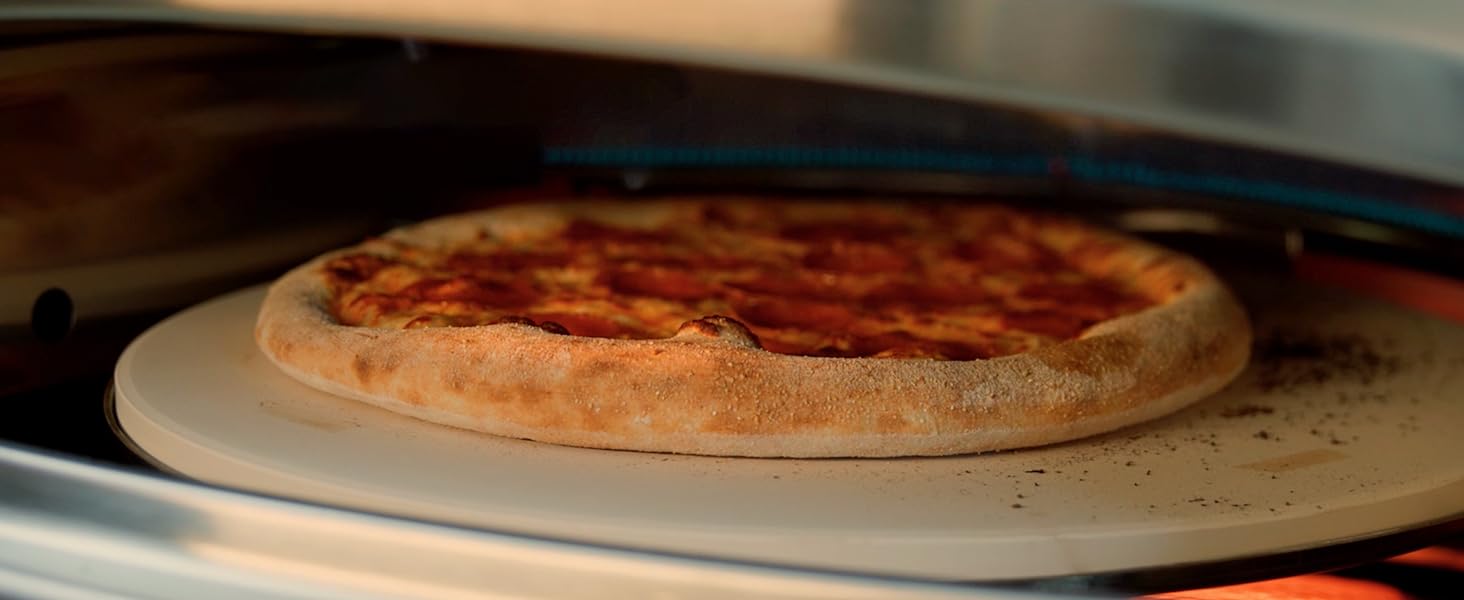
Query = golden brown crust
x=710 y=390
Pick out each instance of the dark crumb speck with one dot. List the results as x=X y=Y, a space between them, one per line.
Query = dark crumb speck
x=1246 y=410
x=1020 y=496
x=1288 y=360
x=1263 y=435
x=1128 y=464
x=1016 y=506
x=1037 y=471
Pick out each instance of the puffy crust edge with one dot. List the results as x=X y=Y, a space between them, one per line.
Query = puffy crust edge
x=688 y=395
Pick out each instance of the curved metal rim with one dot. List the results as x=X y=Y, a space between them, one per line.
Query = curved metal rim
x=109 y=411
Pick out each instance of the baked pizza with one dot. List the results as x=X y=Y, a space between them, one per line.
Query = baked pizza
x=742 y=327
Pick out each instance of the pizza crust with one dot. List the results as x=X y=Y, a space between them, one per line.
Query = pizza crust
x=710 y=391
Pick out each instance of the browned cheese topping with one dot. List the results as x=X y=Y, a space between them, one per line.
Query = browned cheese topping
x=928 y=282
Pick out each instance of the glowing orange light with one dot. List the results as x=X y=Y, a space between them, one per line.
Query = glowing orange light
x=1439 y=557
x=1302 y=587
x=1423 y=291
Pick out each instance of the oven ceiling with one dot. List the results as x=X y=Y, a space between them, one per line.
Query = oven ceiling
x=1365 y=83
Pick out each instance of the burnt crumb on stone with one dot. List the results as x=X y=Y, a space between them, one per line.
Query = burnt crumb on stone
x=1016 y=506
x=1263 y=435
x=1329 y=437
x=1288 y=360
x=1037 y=471
x=1246 y=410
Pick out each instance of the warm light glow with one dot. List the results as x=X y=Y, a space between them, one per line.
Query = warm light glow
x=803 y=28
x=1303 y=587
x=1438 y=557
x=1435 y=294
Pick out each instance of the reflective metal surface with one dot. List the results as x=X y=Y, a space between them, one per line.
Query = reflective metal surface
x=70 y=529
x=1375 y=84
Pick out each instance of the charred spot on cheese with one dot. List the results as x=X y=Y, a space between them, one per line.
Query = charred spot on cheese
x=950 y=284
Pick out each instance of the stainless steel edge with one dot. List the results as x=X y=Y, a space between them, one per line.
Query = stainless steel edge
x=1370 y=83
x=71 y=529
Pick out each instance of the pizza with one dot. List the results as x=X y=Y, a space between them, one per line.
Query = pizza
x=762 y=328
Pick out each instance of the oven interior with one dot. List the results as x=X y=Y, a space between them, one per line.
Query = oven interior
x=152 y=164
